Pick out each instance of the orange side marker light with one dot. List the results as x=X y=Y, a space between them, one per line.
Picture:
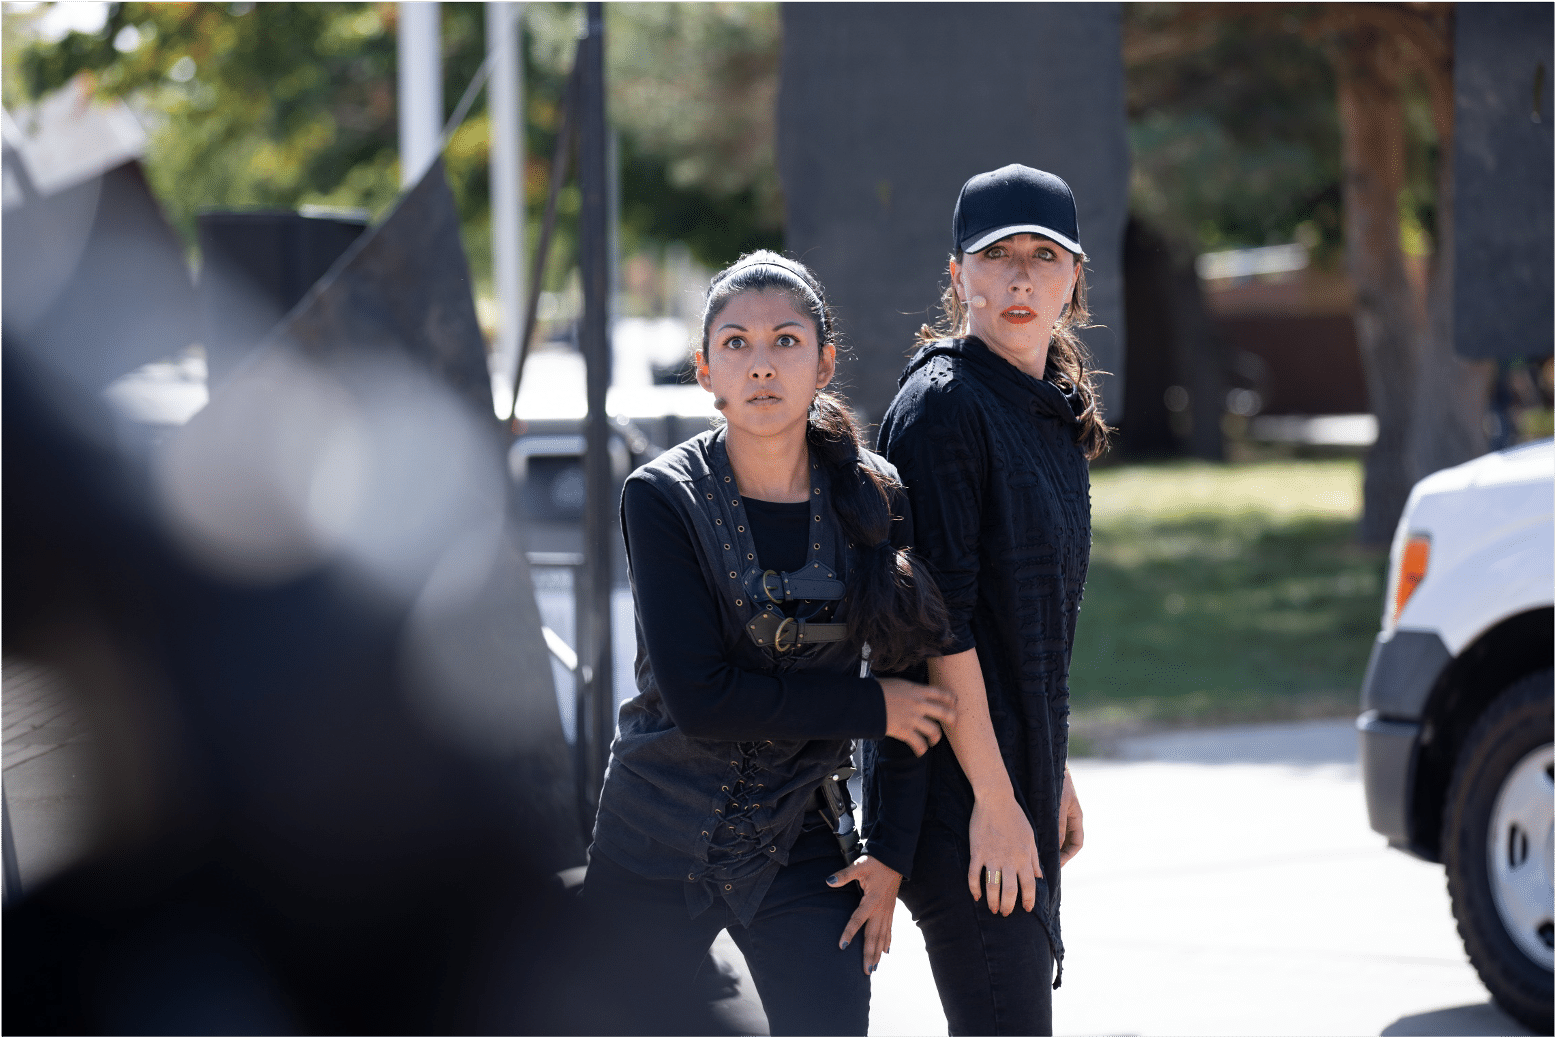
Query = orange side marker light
x=1412 y=570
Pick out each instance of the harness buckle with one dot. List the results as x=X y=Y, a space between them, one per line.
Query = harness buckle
x=767 y=588
x=778 y=642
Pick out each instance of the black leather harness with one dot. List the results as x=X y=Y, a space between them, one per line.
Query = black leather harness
x=771 y=628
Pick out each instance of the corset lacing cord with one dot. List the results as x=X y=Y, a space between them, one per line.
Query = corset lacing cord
x=743 y=803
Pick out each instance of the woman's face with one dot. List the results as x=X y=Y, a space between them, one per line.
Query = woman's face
x=1024 y=280
x=763 y=365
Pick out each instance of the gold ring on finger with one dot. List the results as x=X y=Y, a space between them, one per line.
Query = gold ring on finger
x=994 y=876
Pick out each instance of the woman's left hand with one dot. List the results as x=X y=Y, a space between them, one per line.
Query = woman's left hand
x=1072 y=830
x=874 y=913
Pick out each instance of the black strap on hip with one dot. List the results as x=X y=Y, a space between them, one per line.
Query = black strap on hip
x=834 y=807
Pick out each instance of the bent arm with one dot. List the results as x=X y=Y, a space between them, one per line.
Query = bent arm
x=1003 y=849
x=972 y=735
x=706 y=695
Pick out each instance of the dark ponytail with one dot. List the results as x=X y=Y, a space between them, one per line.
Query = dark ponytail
x=893 y=604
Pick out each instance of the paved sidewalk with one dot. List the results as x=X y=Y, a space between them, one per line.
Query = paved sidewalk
x=1229 y=885
x=46 y=767
x=39 y=717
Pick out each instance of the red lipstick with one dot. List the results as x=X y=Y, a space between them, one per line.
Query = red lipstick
x=1018 y=314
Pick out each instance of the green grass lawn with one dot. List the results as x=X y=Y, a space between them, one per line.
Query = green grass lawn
x=1223 y=593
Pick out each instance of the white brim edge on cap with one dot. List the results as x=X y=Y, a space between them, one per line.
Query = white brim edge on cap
x=1023 y=228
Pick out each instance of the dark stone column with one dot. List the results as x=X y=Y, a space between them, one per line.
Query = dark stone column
x=884 y=111
x=1503 y=181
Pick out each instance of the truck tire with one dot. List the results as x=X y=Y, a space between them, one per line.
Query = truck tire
x=1495 y=878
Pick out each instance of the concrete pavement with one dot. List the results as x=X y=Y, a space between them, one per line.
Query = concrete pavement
x=1229 y=885
x=46 y=769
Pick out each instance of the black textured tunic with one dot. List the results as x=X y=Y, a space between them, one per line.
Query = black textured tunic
x=1000 y=496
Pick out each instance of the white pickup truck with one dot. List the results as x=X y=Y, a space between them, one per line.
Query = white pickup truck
x=1456 y=728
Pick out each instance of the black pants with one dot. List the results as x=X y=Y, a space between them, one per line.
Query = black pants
x=653 y=949
x=994 y=973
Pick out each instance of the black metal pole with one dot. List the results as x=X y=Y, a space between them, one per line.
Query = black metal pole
x=559 y=159
x=594 y=627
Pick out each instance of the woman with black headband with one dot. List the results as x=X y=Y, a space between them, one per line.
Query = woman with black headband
x=992 y=429
x=770 y=574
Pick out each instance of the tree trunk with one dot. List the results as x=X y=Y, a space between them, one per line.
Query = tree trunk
x=1451 y=393
x=1388 y=312
x=1198 y=357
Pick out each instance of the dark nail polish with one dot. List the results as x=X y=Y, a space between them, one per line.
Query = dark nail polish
x=874 y=967
x=843 y=946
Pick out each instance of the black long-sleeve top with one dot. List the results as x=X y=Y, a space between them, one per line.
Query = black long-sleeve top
x=717 y=758
x=706 y=694
x=1000 y=495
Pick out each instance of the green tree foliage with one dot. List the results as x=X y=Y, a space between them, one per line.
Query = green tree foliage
x=271 y=105
x=1232 y=123
x=293 y=104
x=691 y=95
x=1235 y=131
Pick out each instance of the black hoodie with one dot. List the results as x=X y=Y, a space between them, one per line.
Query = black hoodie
x=1001 y=499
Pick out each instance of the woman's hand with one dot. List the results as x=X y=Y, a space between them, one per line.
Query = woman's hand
x=916 y=713
x=1072 y=833
x=1004 y=854
x=874 y=913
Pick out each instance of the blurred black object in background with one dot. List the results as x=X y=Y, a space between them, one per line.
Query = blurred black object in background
x=255 y=266
x=405 y=286
x=95 y=279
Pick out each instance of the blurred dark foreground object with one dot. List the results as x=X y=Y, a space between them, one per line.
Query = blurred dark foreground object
x=334 y=793
x=291 y=848
x=299 y=841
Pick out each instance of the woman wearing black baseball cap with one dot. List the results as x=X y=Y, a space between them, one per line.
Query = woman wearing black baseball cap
x=992 y=429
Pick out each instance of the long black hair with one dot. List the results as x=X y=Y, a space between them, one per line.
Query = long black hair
x=893 y=605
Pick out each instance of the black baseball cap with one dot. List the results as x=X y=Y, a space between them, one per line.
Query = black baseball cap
x=1014 y=199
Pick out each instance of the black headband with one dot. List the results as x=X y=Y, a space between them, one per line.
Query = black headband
x=811 y=294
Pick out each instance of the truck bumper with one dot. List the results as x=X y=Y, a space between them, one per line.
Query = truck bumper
x=1401 y=674
x=1388 y=754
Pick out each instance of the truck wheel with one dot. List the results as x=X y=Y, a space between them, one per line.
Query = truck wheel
x=1497 y=831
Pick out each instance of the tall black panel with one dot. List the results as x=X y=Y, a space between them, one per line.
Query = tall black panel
x=884 y=112
x=406 y=287
x=1503 y=181
x=257 y=266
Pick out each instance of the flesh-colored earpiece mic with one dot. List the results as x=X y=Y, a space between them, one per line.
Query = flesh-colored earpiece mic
x=979 y=302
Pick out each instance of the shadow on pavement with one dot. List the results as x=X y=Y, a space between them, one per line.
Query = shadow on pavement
x=1482 y=1020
